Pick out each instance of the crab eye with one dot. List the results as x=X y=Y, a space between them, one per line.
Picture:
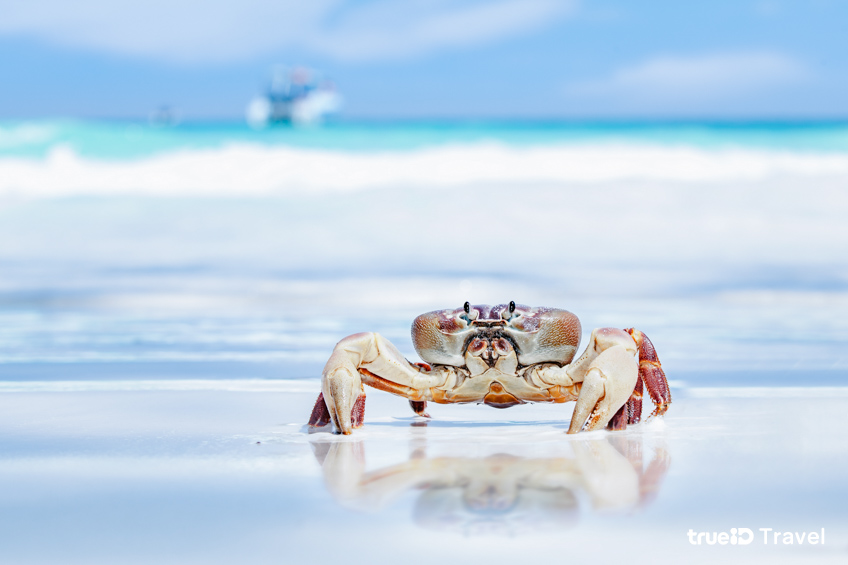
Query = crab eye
x=511 y=306
x=466 y=307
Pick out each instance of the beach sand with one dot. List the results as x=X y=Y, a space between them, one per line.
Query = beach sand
x=225 y=471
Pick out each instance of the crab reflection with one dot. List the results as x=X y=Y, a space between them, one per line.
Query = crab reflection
x=509 y=491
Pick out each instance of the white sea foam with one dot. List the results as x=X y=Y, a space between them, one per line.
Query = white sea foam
x=25 y=134
x=195 y=385
x=256 y=170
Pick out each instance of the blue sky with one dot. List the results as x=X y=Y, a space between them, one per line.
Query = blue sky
x=437 y=58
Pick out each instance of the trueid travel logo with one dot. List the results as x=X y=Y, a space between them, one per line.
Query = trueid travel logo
x=745 y=536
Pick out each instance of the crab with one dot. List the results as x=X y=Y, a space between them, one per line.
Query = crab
x=501 y=356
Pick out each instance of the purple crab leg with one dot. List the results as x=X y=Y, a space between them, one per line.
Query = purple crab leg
x=651 y=373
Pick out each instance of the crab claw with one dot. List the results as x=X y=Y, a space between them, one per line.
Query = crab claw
x=609 y=381
x=321 y=413
x=342 y=390
x=345 y=400
x=371 y=357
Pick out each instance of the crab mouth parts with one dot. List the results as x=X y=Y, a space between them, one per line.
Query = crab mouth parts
x=498 y=397
x=489 y=346
x=488 y=323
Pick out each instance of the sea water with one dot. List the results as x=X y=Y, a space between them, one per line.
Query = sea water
x=128 y=249
x=169 y=295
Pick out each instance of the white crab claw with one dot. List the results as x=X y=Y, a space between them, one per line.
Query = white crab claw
x=606 y=387
x=341 y=387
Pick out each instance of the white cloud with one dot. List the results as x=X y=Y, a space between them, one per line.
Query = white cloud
x=396 y=29
x=182 y=30
x=203 y=31
x=699 y=77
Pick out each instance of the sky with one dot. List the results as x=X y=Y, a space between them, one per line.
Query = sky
x=424 y=59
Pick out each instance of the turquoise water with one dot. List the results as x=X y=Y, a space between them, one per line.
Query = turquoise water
x=126 y=140
x=118 y=266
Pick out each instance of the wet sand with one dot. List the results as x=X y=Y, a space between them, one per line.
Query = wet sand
x=225 y=471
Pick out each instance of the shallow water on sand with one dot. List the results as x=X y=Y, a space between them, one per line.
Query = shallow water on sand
x=226 y=474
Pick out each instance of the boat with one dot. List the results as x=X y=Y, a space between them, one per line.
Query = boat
x=295 y=96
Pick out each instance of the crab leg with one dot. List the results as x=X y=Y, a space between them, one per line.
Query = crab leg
x=634 y=405
x=651 y=372
x=320 y=415
x=373 y=357
x=631 y=412
x=619 y=420
x=419 y=407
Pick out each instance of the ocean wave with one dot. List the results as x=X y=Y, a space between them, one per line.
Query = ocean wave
x=248 y=170
x=13 y=137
